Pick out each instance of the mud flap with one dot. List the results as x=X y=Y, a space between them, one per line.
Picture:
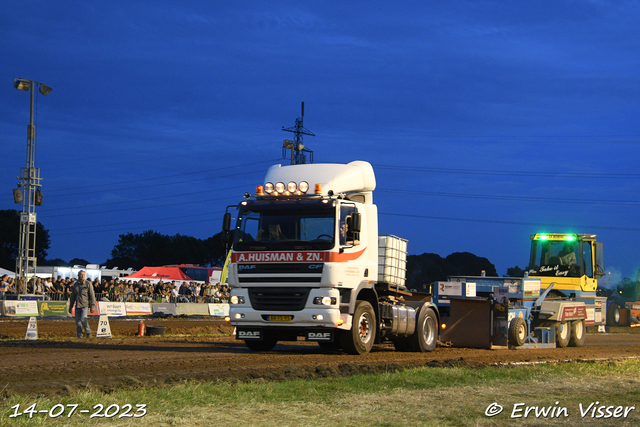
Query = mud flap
x=324 y=335
x=255 y=334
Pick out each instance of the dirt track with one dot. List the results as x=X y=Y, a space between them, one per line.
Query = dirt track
x=204 y=349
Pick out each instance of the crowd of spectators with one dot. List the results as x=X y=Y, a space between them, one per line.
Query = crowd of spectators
x=121 y=290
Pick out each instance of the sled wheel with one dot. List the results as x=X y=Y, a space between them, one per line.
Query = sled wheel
x=517 y=331
x=613 y=314
x=563 y=334
x=577 y=333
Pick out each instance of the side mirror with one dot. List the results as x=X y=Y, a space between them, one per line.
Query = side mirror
x=226 y=222
x=356 y=220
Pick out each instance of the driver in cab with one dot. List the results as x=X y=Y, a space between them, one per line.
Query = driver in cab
x=274 y=232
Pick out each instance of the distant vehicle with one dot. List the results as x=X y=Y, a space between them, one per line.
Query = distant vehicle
x=551 y=306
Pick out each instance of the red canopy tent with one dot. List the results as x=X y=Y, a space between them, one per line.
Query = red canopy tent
x=166 y=274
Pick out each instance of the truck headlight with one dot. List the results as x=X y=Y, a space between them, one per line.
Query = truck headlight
x=325 y=300
x=235 y=299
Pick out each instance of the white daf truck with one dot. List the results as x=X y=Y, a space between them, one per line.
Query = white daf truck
x=307 y=261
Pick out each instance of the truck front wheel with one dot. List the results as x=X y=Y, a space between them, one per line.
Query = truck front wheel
x=267 y=343
x=359 y=340
x=577 y=333
x=563 y=334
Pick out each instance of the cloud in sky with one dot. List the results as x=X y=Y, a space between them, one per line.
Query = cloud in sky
x=504 y=117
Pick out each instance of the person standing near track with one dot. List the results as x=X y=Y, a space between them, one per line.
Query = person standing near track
x=83 y=296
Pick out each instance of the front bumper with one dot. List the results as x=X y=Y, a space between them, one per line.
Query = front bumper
x=311 y=316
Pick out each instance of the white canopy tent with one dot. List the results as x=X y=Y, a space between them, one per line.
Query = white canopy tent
x=7 y=272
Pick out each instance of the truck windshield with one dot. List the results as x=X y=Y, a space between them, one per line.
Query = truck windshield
x=285 y=230
x=555 y=258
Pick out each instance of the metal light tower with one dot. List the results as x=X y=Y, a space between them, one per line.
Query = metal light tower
x=296 y=147
x=28 y=192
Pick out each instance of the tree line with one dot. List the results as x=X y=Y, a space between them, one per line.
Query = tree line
x=132 y=250
x=151 y=248
x=429 y=268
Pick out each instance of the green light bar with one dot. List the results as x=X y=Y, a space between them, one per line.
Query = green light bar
x=566 y=237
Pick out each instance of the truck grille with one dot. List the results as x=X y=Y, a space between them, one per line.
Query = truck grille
x=279 y=299
x=280 y=273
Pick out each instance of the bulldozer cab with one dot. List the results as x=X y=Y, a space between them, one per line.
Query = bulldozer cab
x=573 y=262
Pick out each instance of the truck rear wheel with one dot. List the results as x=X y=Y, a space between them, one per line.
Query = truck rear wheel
x=402 y=344
x=359 y=340
x=517 y=332
x=267 y=343
x=577 y=333
x=425 y=336
x=563 y=334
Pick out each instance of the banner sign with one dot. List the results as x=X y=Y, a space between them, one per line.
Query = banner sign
x=8 y=308
x=112 y=309
x=168 y=309
x=219 y=310
x=138 y=308
x=53 y=308
x=94 y=312
x=193 y=309
x=25 y=308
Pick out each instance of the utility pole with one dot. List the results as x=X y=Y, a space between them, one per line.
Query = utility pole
x=29 y=193
x=298 y=150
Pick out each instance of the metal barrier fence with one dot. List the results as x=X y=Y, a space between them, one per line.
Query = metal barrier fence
x=133 y=297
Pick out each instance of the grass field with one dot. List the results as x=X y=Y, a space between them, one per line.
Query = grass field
x=416 y=397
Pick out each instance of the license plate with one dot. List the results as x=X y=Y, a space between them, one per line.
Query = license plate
x=280 y=318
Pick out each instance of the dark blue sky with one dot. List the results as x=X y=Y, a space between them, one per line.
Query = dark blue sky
x=485 y=121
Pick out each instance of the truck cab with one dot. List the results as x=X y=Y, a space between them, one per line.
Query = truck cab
x=307 y=261
x=572 y=262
